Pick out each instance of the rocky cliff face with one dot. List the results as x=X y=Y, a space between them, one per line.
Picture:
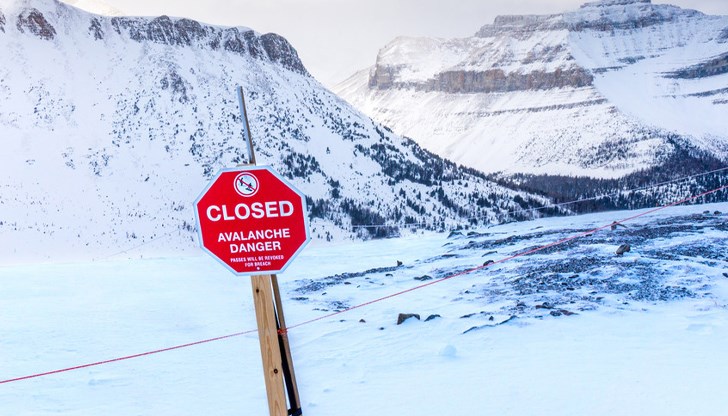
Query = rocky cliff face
x=186 y=32
x=521 y=25
x=708 y=68
x=601 y=91
x=527 y=64
x=166 y=31
x=611 y=15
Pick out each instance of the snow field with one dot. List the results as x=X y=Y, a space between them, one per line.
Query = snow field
x=646 y=358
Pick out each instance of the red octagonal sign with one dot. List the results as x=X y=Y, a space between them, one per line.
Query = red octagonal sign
x=252 y=220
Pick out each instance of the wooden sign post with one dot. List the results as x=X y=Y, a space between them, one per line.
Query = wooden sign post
x=254 y=222
x=274 y=360
x=269 y=344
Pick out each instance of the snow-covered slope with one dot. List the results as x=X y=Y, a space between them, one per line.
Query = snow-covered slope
x=572 y=330
x=612 y=88
x=111 y=126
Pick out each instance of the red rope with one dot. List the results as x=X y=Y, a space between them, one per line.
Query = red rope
x=128 y=357
x=371 y=302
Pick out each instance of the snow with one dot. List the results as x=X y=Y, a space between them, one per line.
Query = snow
x=617 y=355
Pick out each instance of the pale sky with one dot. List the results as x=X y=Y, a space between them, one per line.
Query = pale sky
x=336 y=38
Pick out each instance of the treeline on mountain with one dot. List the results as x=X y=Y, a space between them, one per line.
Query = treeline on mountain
x=682 y=175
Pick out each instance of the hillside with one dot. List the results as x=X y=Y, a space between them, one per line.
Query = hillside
x=113 y=125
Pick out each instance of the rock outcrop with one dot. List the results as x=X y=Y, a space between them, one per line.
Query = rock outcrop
x=611 y=15
x=522 y=25
x=709 y=68
x=497 y=80
x=32 y=21
x=163 y=30
x=187 y=32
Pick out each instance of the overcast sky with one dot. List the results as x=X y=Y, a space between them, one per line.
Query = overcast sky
x=335 y=38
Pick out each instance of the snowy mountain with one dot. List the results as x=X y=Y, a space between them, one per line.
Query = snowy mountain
x=111 y=126
x=604 y=91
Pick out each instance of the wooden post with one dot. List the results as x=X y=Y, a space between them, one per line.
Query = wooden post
x=269 y=345
x=246 y=127
x=274 y=347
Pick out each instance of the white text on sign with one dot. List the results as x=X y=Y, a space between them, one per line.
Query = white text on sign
x=248 y=240
x=257 y=210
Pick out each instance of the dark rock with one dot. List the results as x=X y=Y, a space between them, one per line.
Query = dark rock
x=389 y=275
x=399 y=263
x=616 y=224
x=715 y=66
x=362 y=321
x=491 y=318
x=472 y=328
x=555 y=313
x=624 y=248
x=488 y=262
x=423 y=278
x=717 y=213
x=475 y=328
x=33 y=21
x=725 y=274
x=454 y=234
x=2 y=22
x=431 y=317
x=281 y=52
x=405 y=316
x=186 y=32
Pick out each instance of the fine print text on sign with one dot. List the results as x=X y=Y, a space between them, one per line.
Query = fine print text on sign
x=252 y=220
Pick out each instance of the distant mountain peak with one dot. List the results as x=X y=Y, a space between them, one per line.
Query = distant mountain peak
x=605 y=90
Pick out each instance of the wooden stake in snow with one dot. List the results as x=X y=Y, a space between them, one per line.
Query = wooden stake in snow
x=274 y=346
